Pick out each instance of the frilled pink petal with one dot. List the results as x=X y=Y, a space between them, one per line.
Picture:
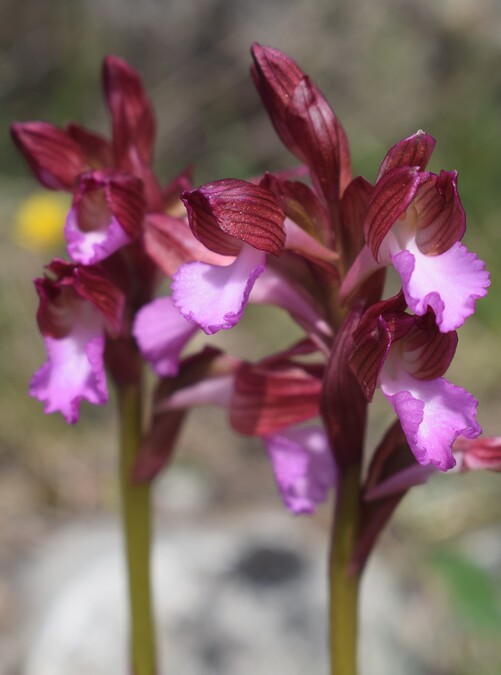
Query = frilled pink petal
x=433 y=413
x=161 y=333
x=97 y=244
x=74 y=368
x=303 y=467
x=215 y=297
x=448 y=283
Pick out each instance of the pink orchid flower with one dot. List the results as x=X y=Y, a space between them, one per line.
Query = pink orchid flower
x=406 y=357
x=77 y=306
x=107 y=214
x=415 y=222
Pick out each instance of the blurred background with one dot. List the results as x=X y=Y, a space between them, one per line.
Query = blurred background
x=433 y=591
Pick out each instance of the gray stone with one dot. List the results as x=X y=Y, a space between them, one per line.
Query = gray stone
x=235 y=595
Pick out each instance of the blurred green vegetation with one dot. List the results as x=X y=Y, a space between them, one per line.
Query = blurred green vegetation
x=474 y=593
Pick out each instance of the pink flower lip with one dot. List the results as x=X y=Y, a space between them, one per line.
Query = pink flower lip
x=433 y=414
x=215 y=297
x=74 y=370
x=303 y=466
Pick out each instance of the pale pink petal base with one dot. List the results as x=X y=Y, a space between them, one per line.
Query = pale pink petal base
x=213 y=391
x=299 y=240
x=402 y=481
x=363 y=266
x=74 y=370
x=161 y=333
x=215 y=297
x=303 y=467
x=90 y=247
x=273 y=288
x=433 y=413
x=449 y=283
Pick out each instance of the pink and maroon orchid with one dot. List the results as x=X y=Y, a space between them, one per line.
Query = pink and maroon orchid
x=406 y=357
x=122 y=220
x=78 y=305
x=415 y=222
x=343 y=233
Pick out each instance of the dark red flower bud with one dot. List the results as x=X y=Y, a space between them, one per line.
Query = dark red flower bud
x=304 y=121
x=97 y=150
x=415 y=150
x=276 y=76
x=321 y=140
x=52 y=154
x=132 y=115
x=224 y=213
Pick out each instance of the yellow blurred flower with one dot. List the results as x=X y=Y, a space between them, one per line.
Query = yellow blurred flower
x=39 y=220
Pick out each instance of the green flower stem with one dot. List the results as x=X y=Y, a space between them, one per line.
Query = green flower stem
x=343 y=584
x=137 y=530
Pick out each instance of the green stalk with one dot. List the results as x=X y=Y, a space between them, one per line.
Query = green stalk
x=344 y=585
x=137 y=529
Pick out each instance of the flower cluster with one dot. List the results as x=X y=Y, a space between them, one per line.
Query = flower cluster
x=124 y=234
x=318 y=249
x=330 y=242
